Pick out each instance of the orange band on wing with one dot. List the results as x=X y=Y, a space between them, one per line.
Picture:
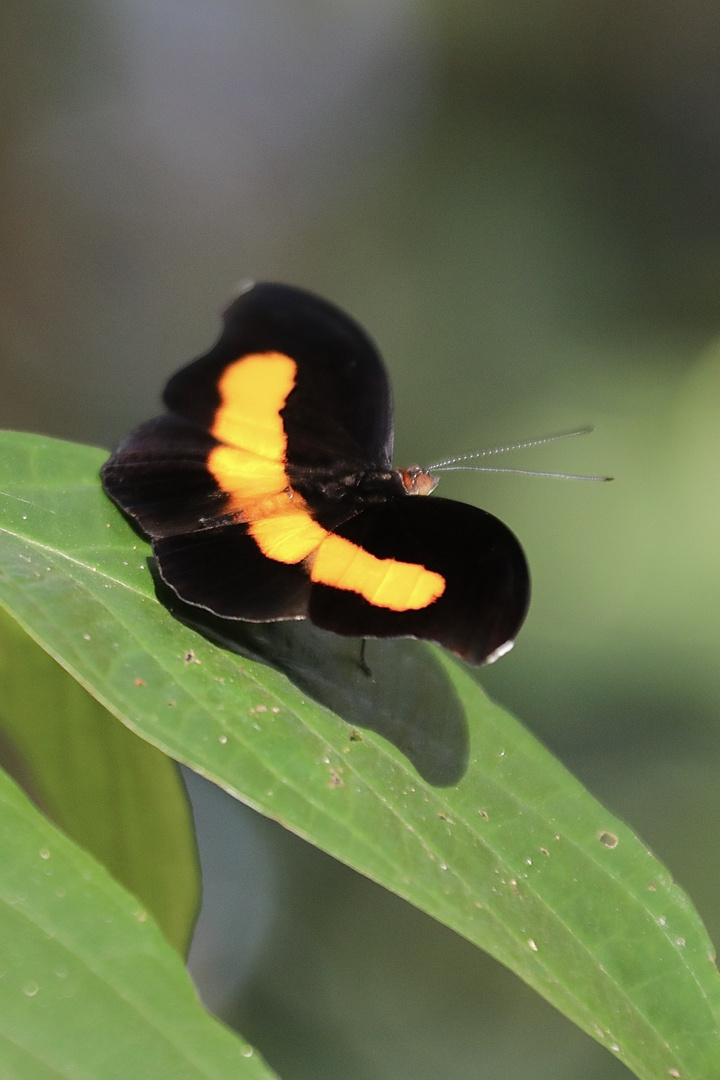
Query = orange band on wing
x=245 y=476
x=386 y=583
x=253 y=390
x=250 y=469
x=249 y=466
x=290 y=535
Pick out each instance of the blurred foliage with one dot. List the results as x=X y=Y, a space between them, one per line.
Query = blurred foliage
x=519 y=201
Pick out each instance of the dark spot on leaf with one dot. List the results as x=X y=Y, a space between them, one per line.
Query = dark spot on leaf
x=336 y=779
x=609 y=839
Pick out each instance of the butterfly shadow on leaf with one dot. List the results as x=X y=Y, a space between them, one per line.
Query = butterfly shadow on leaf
x=394 y=687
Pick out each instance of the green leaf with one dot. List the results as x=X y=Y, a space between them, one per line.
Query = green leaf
x=516 y=855
x=114 y=794
x=89 y=987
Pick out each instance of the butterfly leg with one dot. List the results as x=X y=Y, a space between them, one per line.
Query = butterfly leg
x=362 y=662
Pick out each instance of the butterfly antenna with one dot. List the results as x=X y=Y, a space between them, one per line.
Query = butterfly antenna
x=521 y=472
x=455 y=464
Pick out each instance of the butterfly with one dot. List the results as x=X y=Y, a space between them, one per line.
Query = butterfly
x=268 y=492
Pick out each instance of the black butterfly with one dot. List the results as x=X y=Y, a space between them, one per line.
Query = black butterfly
x=268 y=491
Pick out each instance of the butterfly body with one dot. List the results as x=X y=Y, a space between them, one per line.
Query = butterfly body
x=268 y=491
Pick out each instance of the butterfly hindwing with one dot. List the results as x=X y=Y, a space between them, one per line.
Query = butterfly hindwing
x=486 y=580
x=223 y=570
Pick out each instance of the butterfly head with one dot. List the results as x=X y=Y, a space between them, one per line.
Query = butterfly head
x=417 y=481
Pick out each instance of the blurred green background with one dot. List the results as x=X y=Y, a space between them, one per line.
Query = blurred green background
x=521 y=203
